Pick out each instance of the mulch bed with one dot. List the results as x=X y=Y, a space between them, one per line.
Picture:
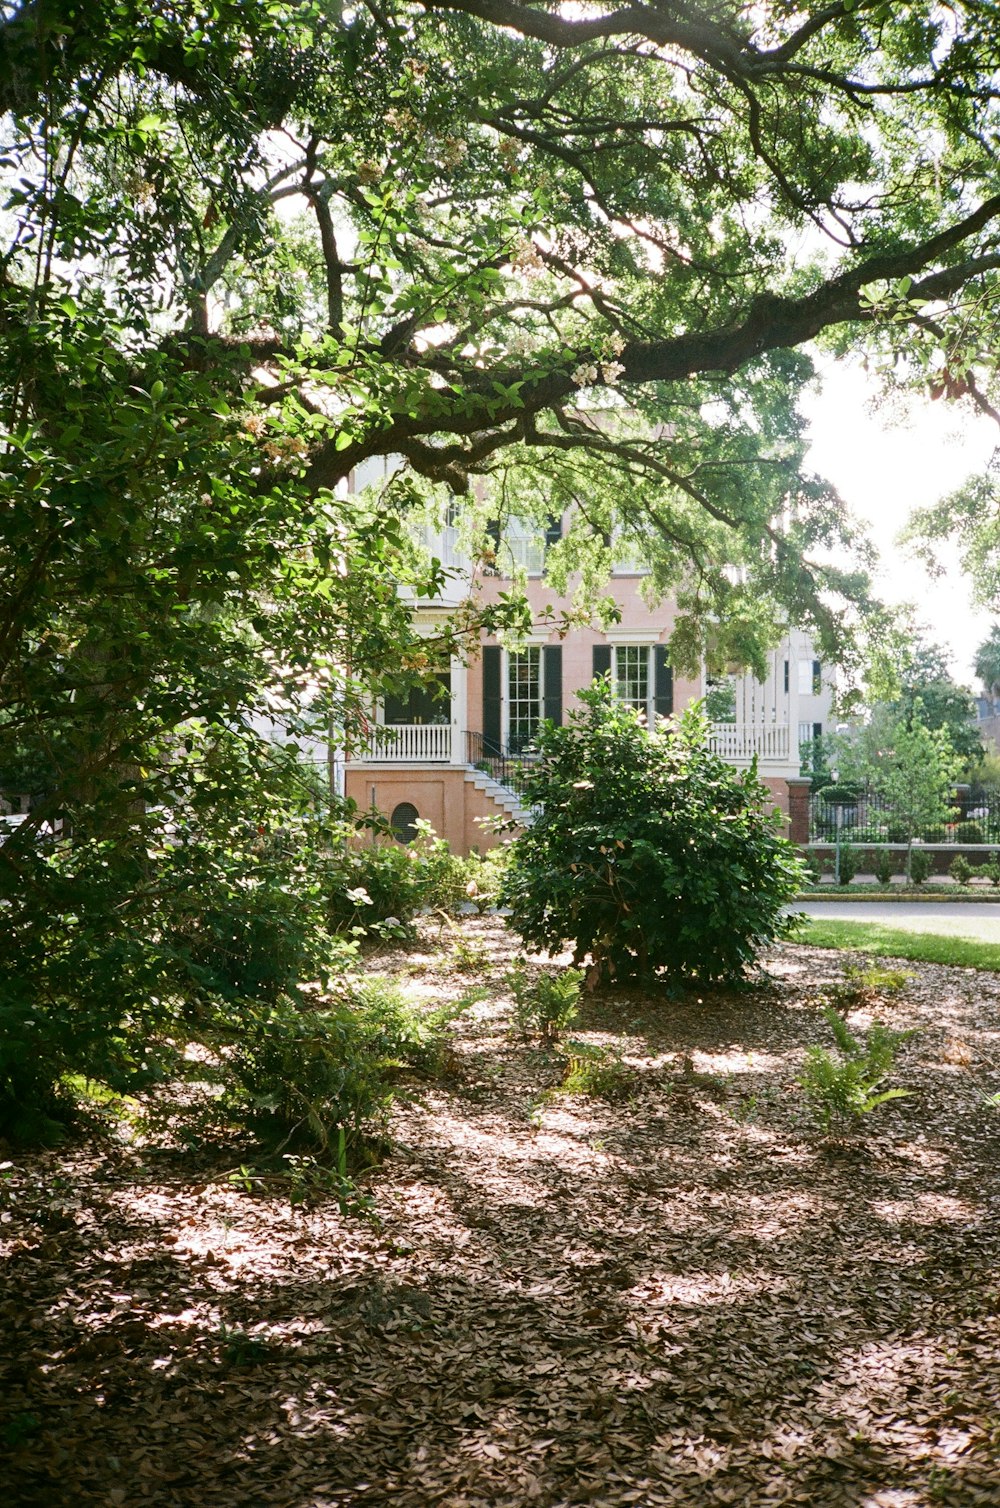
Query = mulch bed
x=682 y=1296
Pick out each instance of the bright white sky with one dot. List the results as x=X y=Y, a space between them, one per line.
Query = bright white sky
x=883 y=469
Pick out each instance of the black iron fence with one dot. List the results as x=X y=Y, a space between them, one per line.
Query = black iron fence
x=969 y=818
x=507 y=768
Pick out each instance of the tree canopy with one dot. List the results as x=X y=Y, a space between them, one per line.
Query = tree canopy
x=494 y=238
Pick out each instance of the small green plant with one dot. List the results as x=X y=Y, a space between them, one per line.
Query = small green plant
x=885 y=866
x=969 y=832
x=989 y=871
x=921 y=865
x=960 y=869
x=871 y=983
x=469 y=957
x=813 y=868
x=842 y=1086
x=850 y=863
x=240 y=1349
x=546 y=1007
x=18 y=1428
x=935 y=832
x=596 y=1071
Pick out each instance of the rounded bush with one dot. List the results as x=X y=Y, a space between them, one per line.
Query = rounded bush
x=647 y=851
x=969 y=832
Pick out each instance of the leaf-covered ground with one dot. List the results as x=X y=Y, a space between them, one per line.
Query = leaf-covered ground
x=681 y=1296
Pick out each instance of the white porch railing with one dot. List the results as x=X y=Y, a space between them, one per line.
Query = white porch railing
x=407 y=743
x=739 y=742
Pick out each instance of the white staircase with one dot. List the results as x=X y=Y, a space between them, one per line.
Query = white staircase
x=501 y=795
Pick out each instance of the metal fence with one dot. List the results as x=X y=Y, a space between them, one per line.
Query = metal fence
x=970 y=818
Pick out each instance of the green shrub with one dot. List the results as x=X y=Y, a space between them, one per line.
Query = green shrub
x=969 y=832
x=647 y=851
x=813 y=868
x=885 y=866
x=302 y=1073
x=989 y=871
x=897 y=832
x=307 y=1075
x=381 y=887
x=921 y=865
x=546 y=1006
x=935 y=833
x=841 y=1086
x=374 y=887
x=960 y=870
x=850 y=863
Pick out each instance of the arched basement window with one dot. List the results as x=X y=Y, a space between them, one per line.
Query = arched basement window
x=404 y=821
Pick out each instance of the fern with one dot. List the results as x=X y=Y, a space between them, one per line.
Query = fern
x=843 y=1086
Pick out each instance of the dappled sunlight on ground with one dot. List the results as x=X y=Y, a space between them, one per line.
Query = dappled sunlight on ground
x=681 y=1295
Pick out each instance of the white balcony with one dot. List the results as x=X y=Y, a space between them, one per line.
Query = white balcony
x=739 y=743
x=406 y=743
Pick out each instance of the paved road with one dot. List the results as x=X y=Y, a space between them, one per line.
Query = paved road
x=953 y=918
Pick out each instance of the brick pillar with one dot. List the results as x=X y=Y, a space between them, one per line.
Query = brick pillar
x=798 y=809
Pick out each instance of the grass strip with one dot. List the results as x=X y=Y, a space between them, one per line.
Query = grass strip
x=893 y=942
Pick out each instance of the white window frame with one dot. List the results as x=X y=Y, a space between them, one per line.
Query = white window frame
x=531 y=647
x=640 y=642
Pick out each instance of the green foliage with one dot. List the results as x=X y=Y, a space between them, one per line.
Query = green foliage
x=381 y=886
x=885 y=866
x=989 y=871
x=850 y=863
x=594 y=1070
x=960 y=870
x=936 y=832
x=322 y=1076
x=864 y=983
x=921 y=865
x=647 y=851
x=842 y=1086
x=546 y=1005
x=969 y=832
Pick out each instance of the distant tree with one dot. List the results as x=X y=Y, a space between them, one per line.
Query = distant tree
x=927 y=683
x=987 y=662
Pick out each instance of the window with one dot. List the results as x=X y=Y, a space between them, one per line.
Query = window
x=632 y=678
x=524 y=698
x=810 y=678
x=640 y=674
x=404 y=822
x=522 y=545
x=426 y=704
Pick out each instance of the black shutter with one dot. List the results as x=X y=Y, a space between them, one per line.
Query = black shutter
x=602 y=659
x=786 y=677
x=664 y=683
x=552 y=682
x=492 y=668
x=817 y=678
x=553 y=530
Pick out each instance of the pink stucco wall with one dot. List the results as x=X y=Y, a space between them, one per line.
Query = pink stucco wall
x=577 y=663
x=453 y=806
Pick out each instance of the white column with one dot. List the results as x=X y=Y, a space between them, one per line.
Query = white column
x=459 y=709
